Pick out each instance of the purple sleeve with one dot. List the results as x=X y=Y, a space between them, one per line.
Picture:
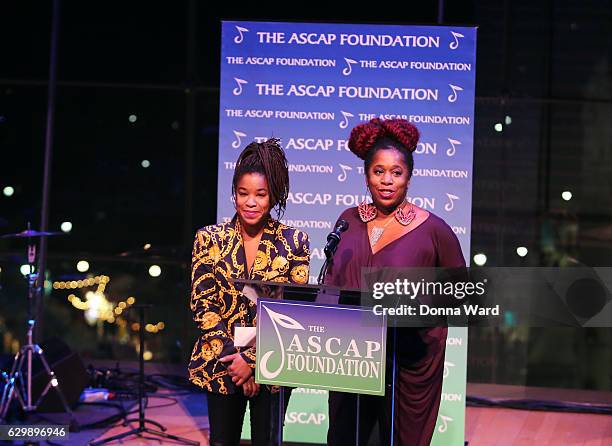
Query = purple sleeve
x=448 y=249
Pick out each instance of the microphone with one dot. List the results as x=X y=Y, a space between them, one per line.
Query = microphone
x=334 y=238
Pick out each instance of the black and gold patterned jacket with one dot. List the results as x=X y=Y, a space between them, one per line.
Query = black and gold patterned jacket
x=218 y=306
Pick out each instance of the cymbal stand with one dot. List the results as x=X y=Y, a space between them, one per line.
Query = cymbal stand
x=18 y=383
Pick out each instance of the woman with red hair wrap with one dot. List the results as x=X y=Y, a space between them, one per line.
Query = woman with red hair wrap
x=391 y=232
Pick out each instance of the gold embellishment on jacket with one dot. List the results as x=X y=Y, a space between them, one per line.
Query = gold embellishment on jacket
x=280 y=264
x=210 y=320
x=250 y=353
x=299 y=274
x=237 y=267
x=270 y=276
x=214 y=253
x=222 y=388
x=207 y=352
x=214 y=333
x=261 y=261
x=217 y=346
x=232 y=319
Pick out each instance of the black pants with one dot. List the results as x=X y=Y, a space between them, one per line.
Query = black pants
x=343 y=419
x=226 y=415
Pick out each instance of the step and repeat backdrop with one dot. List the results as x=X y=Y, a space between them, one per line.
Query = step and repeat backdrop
x=309 y=85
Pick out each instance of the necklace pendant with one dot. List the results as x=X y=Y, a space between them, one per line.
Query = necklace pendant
x=376 y=234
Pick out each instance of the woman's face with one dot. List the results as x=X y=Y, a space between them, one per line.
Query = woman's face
x=388 y=179
x=252 y=199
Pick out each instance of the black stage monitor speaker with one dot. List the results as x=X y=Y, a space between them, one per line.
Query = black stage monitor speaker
x=69 y=370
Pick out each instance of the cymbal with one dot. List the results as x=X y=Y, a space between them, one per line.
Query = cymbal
x=28 y=233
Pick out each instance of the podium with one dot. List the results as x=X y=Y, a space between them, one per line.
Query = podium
x=308 y=343
x=306 y=418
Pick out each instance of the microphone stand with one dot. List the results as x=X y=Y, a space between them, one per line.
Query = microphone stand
x=142 y=428
x=323 y=272
x=330 y=249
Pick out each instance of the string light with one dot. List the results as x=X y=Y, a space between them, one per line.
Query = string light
x=101 y=281
x=98 y=306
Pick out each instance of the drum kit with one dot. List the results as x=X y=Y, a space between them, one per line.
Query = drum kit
x=18 y=382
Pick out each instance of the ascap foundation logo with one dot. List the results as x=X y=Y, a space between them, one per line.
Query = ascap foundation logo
x=321 y=346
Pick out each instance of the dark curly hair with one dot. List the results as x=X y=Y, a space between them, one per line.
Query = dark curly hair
x=268 y=159
x=368 y=138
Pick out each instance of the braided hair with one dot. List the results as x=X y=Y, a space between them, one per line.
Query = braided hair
x=267 y=159
x=368 y=138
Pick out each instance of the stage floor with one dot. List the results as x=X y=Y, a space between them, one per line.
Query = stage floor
x=484 y=426
x=185 y=414
x=497 y=426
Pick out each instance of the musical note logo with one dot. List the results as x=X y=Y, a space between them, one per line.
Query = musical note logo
x=444 y=425
x=284 y=321
x=453 y=142
x=343 y=176
x=345 y=116
x=240 y=37
x=447 y=367
x=451 y=203
x=349 y=66
x=453 y=96
x=238 y=90
x=455 y=44
x=238 y=141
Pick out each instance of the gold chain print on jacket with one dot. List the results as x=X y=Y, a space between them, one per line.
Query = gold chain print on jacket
x=218 y=255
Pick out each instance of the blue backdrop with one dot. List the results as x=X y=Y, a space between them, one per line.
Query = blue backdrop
x=309 y=84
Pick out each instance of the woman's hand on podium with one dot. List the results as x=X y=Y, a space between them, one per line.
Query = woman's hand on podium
x=250 y=388
x=239 y=370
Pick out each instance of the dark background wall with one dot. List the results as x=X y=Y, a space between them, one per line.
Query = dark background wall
x=544 y=73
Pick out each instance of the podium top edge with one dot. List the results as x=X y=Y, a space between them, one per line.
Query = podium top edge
x=292 y=285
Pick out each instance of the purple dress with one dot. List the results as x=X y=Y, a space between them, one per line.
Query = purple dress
x=420 y=352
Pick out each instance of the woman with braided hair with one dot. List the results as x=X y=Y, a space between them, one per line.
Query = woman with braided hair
x=253 y=245
x=392 y=232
